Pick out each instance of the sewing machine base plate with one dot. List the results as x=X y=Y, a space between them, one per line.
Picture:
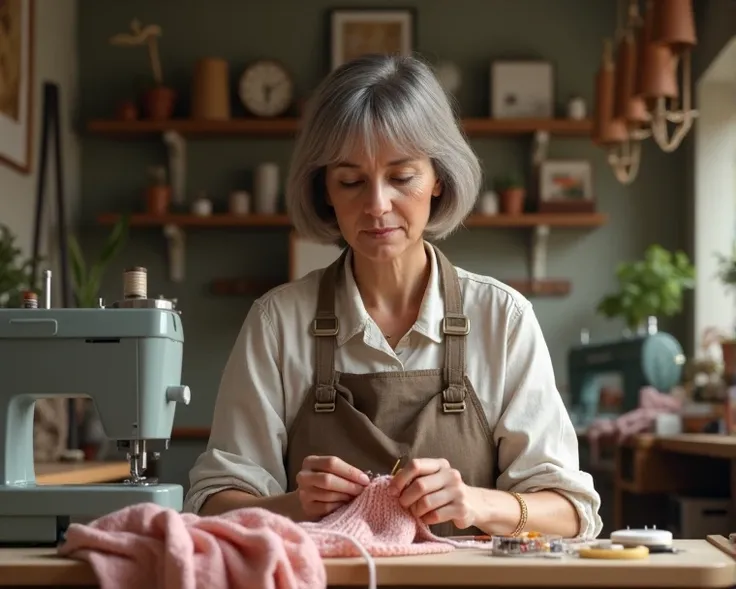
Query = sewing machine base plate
x=38 y=515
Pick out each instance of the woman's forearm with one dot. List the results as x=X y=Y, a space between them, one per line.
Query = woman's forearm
x=218 y=503
x=547 y=512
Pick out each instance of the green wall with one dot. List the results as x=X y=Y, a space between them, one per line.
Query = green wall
x=470 y=32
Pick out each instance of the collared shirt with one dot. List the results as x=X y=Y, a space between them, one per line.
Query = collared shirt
x=271 y=369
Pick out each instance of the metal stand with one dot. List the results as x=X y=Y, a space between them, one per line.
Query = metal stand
x=51 y=123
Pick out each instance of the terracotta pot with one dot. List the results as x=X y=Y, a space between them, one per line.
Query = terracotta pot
x=158 y=103
x=512 y=201
x=158 y=199
x=728 y=348
x=126 y=111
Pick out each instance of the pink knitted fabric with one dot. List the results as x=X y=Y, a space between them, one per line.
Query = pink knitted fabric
x=146 y=545
x=379 y=523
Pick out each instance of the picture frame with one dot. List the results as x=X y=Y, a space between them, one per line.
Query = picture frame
x=360 y=31
x=522 y=89
x=566 y=186
x=17 y=83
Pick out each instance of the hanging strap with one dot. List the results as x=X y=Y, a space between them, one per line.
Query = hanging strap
x=325 y=328
x=455 y=327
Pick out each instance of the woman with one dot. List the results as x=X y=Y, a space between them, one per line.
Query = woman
x=392 y=351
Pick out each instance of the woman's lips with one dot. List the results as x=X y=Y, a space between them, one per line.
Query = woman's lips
x=383 y=232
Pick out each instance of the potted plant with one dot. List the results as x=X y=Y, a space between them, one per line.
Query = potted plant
x=727 y=276
x=15 y=272
x=158 y=191
x=88 y=278
x=651 y=287
x=512 y=193
x=158 y=100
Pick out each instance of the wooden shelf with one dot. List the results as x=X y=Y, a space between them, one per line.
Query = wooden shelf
x=257 y=287
x=538 y=219
x=287 y=127
x=570 y=220
x=185 y=220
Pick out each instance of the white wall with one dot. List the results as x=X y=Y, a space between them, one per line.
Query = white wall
x=715 y=190
x=56 y=61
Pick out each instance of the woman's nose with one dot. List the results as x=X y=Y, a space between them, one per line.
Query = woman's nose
x=378 y=199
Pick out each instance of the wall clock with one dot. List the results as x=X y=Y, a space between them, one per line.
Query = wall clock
x=266 y=88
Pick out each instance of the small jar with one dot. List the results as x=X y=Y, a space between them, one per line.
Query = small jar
x=239 y=203
x=488 y=203
x=202 y=207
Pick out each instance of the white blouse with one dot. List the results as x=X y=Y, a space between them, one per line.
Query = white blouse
x=271 y=369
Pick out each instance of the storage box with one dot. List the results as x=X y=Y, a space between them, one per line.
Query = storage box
x=698 y=517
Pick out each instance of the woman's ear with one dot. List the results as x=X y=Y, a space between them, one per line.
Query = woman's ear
x=437 y=189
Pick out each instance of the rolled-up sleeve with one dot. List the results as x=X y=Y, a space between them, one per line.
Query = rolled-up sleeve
x=536 y=441
x=248 y=437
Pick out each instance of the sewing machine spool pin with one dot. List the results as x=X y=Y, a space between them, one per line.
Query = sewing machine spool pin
x=127 y=358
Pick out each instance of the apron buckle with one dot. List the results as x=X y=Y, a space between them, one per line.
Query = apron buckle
x=324 y=407
x=449 y=407
x=455 y=324
x=325 y=326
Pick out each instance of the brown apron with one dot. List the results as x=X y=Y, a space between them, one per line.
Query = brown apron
x=369 y=420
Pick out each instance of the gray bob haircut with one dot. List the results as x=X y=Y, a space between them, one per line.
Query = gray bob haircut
x=378 y=99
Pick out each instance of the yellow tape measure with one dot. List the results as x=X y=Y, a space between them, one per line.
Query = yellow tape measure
x=614 y=552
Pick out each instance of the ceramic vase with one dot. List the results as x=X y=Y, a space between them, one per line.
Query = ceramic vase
x=266 y=188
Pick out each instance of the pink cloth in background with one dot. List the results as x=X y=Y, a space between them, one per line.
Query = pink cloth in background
x=146 y=545
x=639 y=420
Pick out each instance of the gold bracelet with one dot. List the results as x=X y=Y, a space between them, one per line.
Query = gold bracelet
x=524 y=514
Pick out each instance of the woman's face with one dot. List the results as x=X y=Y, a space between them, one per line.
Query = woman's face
x=382 y=205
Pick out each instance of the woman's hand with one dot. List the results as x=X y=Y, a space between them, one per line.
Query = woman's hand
x=325 y=483
x=435 y=492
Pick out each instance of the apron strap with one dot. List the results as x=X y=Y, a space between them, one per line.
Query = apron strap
x=325 y=328
x=455 y=327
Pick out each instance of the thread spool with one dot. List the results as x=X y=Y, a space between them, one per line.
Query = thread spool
x=30 y=300
x=135 y=283
x=211 y=90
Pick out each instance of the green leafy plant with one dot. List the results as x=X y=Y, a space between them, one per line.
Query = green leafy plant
x=727 y=268
x=507 y=182
x=15 y=272
x=653 y=286
x=87 y=279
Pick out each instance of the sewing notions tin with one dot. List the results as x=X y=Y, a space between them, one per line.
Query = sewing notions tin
x=526 y=544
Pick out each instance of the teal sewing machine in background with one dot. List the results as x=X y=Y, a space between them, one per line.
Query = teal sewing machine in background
x=128 y=359
x=605 y=378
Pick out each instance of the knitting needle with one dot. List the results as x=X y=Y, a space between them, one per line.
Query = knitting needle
x=398 y=465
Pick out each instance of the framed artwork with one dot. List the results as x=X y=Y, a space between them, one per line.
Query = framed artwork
x=360 y=31
x=306 y=256
x=566 y=186
x=16 y=83
x=522 y=89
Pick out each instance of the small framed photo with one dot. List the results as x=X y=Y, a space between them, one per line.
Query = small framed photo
x=360 y=31
x=566 y=186
x=16 y=83
x=522 y=89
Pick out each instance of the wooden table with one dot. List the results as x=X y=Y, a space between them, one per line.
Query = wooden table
x=81 y=473
x=701 y=564
x=649 y=467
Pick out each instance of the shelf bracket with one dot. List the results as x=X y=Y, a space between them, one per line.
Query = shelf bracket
x=540 y=147
x=175 y=241
x=177 y=155
x=538 y=253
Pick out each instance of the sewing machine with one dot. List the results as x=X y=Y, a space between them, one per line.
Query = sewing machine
x=651 y=359
x=127 y=358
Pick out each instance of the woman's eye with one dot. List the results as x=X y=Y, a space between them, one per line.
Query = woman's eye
x=403 y=179
x=349 y=183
